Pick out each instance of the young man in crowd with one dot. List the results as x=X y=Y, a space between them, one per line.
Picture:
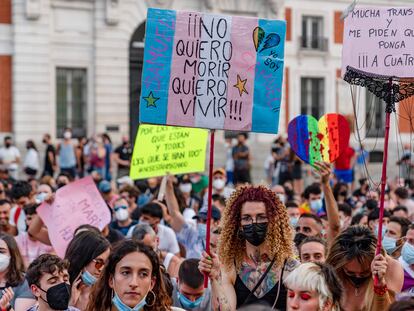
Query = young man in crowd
x=22 y=195
x=189 y=292
x=122 y=157
x=313 y=249
x=345 y=215
x=312 y=199
x=10 y=157
x=123 y=221
x=48 y=279
x=310 y=225
x=50 y=157
x=241 y=158
x=5 y=207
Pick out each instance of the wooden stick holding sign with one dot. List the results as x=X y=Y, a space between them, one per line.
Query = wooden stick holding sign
x=161 y=192
x=209 y=198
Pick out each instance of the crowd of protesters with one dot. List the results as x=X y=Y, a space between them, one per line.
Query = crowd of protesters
x=287 y=245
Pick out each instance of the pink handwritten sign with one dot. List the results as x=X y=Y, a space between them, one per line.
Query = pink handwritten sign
x=76 y=204
x=380 y=41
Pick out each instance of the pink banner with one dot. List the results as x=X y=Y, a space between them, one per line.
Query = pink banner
x=76 y=204
x=182 y=90
x=241 y=76
x=380 y=41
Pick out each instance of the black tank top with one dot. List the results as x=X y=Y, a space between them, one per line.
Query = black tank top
x=242 y=292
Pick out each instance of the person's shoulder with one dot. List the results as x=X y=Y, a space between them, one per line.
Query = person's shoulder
x=291 y=264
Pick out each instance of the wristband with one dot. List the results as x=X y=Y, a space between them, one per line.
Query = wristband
x=380 y=290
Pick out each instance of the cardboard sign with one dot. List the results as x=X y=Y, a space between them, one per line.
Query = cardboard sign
x=160 y=150
x=380 y=41
x=212 y=71
x=76 y=204
x=319 y=141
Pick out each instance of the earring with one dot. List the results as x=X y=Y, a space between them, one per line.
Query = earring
x=153 y=300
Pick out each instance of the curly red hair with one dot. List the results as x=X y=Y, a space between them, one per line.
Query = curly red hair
x=279 y=237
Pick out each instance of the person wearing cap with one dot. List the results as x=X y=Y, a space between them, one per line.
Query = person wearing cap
x=219 y=183
x=105 y=188
x=193 y=238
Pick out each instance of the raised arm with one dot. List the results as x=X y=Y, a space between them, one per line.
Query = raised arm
x=223 y=293
x=38 y=231
x=324 y=170
x=177 y=220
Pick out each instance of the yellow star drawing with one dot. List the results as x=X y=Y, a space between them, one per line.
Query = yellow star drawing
x=241 y=85
x=150 y=99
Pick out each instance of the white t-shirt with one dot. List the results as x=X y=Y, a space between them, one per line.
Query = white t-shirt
x=21 y=221
x=188 y=215
x=8 y=155
x=32 y=159
x=167 y=237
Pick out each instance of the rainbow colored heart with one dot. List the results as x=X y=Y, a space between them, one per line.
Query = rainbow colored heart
x=321 y=140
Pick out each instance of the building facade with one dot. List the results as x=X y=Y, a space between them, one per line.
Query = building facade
x=78 y=63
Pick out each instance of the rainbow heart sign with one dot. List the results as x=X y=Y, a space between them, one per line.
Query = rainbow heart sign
x=322 y=140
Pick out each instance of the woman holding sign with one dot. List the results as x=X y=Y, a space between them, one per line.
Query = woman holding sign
x=353 y=257
x=256 y=252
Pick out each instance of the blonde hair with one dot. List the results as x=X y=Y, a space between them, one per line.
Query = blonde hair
x=317 y=278
x=279 y=236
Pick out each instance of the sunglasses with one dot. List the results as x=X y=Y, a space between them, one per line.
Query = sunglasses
x=117 y=208
x=99 y=263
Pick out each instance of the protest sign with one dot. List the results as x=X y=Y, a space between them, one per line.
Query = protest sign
x=322 y=140
x=76 y=204
x=212 y=71
x=380 y=41
x=160 y=150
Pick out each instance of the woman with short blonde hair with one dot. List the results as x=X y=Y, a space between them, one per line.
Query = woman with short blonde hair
x=314 y=287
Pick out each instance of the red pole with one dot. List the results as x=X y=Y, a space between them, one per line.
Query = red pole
x=210 y=193
x=383 y=177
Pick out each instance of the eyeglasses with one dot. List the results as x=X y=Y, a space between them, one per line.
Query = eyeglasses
x=99 y=263
x=248 y=220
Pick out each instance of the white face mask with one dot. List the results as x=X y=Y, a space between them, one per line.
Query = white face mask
x=186 y=188
x=67 y=135
x=218 y=183
x=282 y=197
x=4 y=262
x=122 y=214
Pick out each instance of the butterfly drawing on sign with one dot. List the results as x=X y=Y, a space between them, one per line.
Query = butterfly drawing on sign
x=268 y=41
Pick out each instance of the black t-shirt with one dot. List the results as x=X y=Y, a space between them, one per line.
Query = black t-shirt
x=48 y=164
x=125 y=153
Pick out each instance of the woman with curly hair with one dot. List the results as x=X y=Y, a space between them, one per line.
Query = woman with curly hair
x=131 y=280
x=255 y=251
x=353 y=257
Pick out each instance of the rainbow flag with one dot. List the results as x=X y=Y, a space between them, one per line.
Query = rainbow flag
x=321 y=140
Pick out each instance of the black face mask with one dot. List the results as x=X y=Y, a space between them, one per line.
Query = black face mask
x=299 y=237
x=343 y=193
x=255 y=233
x=7 y=145
x=358 y=281
x=58 y=296
x=60 y=185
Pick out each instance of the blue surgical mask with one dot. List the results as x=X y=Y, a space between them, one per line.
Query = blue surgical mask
x=120 y=306
x=40 y=197
x=389 y=244
x=294 y=221
x=202 y=230
x=88 y=279
x=187 y=303
x=384 y=230
x=316 y=205
x=407 y=253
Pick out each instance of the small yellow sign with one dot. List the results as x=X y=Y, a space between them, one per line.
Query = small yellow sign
x=160 y=150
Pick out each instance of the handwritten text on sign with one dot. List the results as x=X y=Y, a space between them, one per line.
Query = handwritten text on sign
x=75 y=204
x=160 y=150
x=380 y=41
x=212 y=71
